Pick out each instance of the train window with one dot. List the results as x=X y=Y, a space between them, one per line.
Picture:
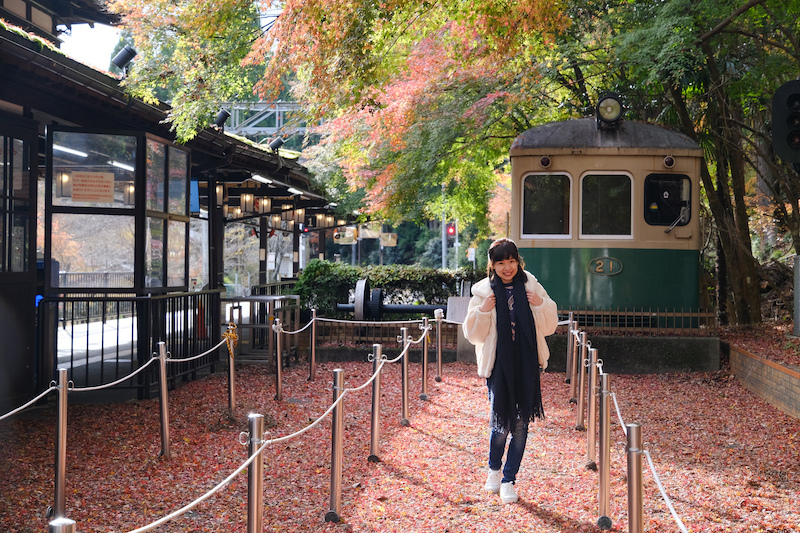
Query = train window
x=667 y=198
x=606 y=208
x=545 y=205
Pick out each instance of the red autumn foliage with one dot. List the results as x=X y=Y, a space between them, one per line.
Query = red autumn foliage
x=728 y=461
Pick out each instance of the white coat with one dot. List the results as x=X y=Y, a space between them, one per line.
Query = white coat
x=481 y=328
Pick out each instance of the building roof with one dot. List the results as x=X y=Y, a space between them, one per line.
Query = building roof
x=49 y=86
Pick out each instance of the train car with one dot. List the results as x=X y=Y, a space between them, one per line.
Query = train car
x=606 y=214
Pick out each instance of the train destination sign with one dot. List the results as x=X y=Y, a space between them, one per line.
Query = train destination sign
x=605 y=266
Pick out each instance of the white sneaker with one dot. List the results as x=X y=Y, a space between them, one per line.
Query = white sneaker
x=493 y=481
x=508 y=494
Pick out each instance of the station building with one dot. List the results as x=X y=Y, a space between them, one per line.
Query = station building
x=107 y=223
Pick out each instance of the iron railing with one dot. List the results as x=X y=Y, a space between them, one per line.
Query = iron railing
x=100 y=338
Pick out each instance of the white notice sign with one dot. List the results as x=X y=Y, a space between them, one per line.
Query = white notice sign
x=96 y=187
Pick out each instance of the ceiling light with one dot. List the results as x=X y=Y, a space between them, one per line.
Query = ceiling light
x=70 y=151
x=262 y=179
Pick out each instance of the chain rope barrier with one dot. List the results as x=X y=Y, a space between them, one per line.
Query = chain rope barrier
x=268 y=442
x=22 y=407
x=198 y=356
x=576 y=333
x=368 y=322
x=108 y=385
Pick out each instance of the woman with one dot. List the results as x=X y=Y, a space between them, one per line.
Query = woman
x=511 y=351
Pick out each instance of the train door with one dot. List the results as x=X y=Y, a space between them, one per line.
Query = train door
x=18 y=149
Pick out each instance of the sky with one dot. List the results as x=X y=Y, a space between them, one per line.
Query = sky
x=91 y=46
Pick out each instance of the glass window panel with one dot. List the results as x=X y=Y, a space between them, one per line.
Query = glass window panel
x=198 y=254
x=667 y=199
x=92 y=169
x=156 y=171
x=154 y=252
x=176 y=258
x=21 y=169
x=546 y=205
x=606 y=205
x=178 y=179
x=93 y=251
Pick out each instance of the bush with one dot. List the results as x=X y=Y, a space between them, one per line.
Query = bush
x=323 y=284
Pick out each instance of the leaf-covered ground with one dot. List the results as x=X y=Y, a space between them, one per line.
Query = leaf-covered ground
x=729 y=461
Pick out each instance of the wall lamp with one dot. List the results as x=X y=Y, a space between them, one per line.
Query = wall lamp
x=222 y=116
x=609 y=111
x=123 y=58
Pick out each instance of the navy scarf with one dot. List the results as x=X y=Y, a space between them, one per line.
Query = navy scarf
x=514 y=382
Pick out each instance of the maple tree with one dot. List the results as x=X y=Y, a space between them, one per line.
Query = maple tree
x=422 y=99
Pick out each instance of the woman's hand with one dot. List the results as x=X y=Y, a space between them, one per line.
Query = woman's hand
x=488 y=304
x=534 y=299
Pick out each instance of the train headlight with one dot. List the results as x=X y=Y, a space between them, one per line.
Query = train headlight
x=669 y=161
x=609 y=110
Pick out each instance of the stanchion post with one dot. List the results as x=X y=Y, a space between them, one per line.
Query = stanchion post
x=404 y=377
x=591 y=433
x=581 y=410
x=163 y=400
x=635 y=499
x=439 y=315
x=60 y=500
x=375 y=427
x=424 y=327
x=570 y=345
x=276 y=325
x=61 y=525
x=604 y=522
x=335 y=512
x=574 y=367
x=231 y=378
x=312 y=365
x=255 y=475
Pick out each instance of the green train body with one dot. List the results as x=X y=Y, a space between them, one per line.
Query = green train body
x=608 y=218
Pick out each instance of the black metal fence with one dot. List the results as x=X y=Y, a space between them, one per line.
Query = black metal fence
x=99 y=338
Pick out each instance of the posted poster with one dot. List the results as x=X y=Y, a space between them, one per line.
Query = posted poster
x=95 y=187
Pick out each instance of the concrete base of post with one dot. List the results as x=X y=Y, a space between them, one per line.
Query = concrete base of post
x=374 y=459
x=604 y=522
x=331 y=516
x=424 y=397
x=591 y=465
x=438 y=379
x=405 y=422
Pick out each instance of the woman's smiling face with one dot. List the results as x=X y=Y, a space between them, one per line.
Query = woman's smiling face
x=506 y=269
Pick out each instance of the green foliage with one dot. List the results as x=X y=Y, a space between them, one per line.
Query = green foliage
x=323 y=284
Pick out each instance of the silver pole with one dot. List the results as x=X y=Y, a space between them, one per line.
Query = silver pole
x=255 y=475
x=163 y=400
x=335 y=512
x=635 y=499
x=404 y=378
x=439 y=314
x=591 y=434
x=424 y=327
x=231 y=379
x=375 y=428
x=570 y=344
x=312 y=367
x=60 y=503
x=604 y=522
x=61 y=525
x=573 y=371
x=278 y=360
x=581 y=411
